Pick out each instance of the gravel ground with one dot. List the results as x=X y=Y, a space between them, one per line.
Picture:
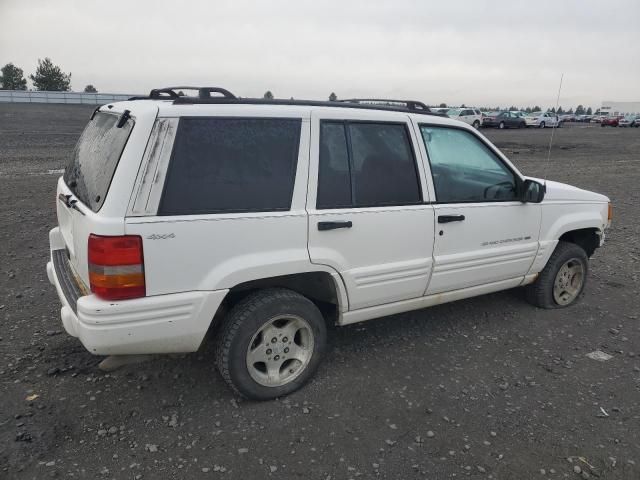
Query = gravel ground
x=489 y=387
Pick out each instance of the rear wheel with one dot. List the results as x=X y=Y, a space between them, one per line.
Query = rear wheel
x=271 y=343
x=562 y=280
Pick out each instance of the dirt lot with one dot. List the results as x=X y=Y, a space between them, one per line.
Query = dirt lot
x=484 y=388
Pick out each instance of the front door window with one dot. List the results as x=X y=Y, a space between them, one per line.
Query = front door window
x=464 y=169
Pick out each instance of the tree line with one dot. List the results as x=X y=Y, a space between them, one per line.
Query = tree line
x=47 y=77
x=50 y=77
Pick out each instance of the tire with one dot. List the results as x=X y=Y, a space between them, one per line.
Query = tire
x=249 y=322
x=541 y=125
x=476 y=124
x=542 y=292
x=501 y=125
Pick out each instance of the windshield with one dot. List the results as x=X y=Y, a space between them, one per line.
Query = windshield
x=453 y=112
x=95 y=158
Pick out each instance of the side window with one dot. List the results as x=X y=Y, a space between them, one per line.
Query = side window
x=225 y=165
x=464 y=169
x=334 y=179
x=364 y=164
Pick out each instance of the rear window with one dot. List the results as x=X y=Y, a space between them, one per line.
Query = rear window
x=231 y=165
x=95 y=158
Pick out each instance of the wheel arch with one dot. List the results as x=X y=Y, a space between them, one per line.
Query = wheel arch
x=326 y=289
x=586 y=238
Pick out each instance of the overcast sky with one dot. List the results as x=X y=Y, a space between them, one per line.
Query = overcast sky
x=473 y=52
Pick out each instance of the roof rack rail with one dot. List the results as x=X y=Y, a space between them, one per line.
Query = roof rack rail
x=413 y=105
x=173 y=93
x=398 y=106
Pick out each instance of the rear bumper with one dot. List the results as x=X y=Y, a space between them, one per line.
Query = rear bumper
x=157 y=324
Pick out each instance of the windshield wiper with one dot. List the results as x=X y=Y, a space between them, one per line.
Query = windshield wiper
x=70 y=202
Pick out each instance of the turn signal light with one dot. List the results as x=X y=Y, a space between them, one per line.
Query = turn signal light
x=116 y=267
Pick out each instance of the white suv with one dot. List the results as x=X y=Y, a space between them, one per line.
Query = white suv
x=472 y=116
x=261 y=220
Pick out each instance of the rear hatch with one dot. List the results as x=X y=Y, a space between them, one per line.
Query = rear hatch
x=93 y=193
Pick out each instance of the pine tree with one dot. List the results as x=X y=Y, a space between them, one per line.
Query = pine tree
x=12 y=78
x=50 y=77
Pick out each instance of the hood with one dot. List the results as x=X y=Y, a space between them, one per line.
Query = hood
x=562 y=191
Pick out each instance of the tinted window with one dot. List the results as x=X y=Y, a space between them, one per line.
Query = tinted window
x=334 y=180
x=95 y=159
x=223 y=165
x=366 y=165
x=464 y=169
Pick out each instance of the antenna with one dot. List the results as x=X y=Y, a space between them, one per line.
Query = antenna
x=553 y=130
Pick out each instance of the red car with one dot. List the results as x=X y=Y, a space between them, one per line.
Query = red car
x=610 y=121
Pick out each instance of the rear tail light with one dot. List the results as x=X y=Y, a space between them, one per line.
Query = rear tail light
x=609 y=214
x=116 y=267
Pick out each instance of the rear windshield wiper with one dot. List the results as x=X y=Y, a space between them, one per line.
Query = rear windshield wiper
x=70 y=202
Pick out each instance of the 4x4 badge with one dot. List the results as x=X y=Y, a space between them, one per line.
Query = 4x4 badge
x=160 y=236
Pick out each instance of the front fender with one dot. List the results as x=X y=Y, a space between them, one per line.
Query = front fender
x=560 y=218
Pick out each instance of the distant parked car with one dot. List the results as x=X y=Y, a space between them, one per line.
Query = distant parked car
x=472 y=116
x=612 y=121
x=443 y=110
x=569 y=117
x=598 y=117
x=542 y=120
x=629 y=121
x=503 y=119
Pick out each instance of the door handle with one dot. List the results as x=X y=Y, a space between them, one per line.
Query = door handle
x=450 y=218
x=333 y=225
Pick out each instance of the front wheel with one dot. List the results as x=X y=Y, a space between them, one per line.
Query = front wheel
x=271 y=344
x=562 y=280
x=476 y=124
x=501 y=125
x=541 y=125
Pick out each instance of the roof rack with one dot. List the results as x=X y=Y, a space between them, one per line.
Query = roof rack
x=226 y=97
x=408 y=104
x=307 y=103
x=173 y=93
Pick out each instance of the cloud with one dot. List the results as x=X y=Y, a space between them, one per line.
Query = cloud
x=476 y=52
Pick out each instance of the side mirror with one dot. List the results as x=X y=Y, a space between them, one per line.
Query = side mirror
x=532 y=191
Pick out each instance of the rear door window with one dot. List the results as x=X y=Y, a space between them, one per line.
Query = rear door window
x=366 y=164
x=95 y=158
x=231 y=165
